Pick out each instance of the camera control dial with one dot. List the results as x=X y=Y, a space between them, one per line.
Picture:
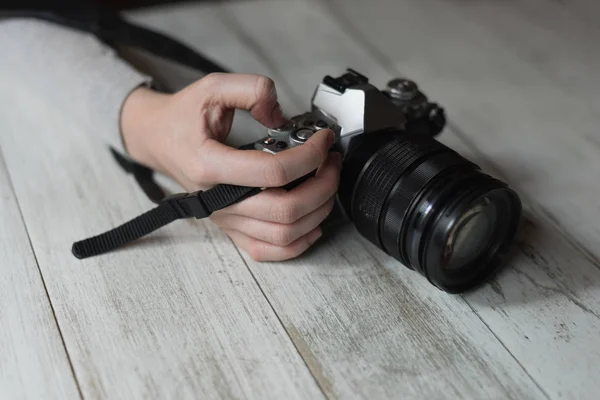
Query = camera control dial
x=296 y=132
x=402 y=89
x=284 y=130
x=300 y=136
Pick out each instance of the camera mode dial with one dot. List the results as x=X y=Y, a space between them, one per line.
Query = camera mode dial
x=406 y=94
x=284 y=130
x=300 y=136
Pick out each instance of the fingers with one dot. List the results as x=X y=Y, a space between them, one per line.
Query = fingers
x=276 y=225
x=271 y=232
x=255 y=93
x=286 y=207
x=263 y=251
x=223 y=164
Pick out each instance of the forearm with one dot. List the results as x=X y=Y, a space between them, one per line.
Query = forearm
x=76 y=72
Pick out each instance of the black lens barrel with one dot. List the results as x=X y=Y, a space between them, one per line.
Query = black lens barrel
x=396 y=187
x=380 y=175
x=396 y=169
x=431 y=167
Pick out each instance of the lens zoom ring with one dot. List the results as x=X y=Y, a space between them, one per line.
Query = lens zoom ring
x=379 y=177
x=406 y=190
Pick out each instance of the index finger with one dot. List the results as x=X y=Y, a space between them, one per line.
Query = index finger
x=255 y=93
x=224 y=164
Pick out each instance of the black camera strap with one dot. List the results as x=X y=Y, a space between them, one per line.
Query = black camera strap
x=199 y=205
x=112 y=29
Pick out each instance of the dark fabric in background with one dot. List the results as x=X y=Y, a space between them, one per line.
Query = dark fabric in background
x=6 y=5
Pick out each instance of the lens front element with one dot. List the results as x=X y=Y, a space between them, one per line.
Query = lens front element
x=470 y=236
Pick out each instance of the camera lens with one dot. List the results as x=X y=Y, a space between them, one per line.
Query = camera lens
x=428 y=207
x=470 y=237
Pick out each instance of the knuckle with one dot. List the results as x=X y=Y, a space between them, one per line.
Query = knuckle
x=263 y=88
x=293 y=251
x=285 y=212
x=212 y=79
x=283 y=235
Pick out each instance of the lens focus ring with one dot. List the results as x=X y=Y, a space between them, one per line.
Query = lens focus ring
x=381 y=174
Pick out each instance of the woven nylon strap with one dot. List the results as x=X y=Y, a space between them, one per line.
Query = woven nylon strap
x=186 y=205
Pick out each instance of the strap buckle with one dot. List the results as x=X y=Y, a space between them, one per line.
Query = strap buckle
x=188 y=205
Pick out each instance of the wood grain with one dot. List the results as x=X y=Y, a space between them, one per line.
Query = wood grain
x=365 y=329
x=544 y=306
x=561 y=52
x=585 y=10
x=177 y=315
x=33 y=361
x=561 y=283
x=550 y=40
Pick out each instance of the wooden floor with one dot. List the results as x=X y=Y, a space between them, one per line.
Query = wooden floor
x=185 y=315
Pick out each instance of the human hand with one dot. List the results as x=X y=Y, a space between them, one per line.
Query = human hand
x=182 y=135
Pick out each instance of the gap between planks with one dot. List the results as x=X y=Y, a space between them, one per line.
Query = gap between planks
x=221 y=45
x=390 y=67
x=6 y=182
x=171 y=317
x=563 y=287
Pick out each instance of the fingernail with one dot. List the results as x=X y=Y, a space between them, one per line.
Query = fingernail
x=316 y=235
x=273 y=94
x=277 y=116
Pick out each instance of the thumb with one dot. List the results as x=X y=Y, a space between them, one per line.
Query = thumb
x=254 y=93
x=223 y=164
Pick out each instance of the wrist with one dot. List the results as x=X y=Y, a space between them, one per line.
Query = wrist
x=138 y=124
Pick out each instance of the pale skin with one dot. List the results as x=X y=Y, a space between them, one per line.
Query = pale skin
x=182 y=135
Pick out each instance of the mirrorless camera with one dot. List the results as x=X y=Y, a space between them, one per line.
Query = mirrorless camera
x=413 y=197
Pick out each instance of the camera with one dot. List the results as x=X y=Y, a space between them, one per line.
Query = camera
x=410 y=195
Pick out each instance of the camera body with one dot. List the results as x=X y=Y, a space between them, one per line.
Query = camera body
x=354 y=109
x=408 y=194
x=350 y=106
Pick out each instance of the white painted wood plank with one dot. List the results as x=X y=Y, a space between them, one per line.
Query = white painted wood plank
x=549 y=39
x=544 y=306
x=543 y=137
x=175 y=316
x=567 y=305
x=33 y=360
x=587 y=11
x=366 y=330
